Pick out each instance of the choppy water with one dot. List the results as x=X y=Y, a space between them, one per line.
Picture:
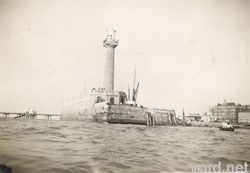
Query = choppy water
x=36 y=146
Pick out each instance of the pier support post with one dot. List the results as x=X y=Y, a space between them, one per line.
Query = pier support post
x=169 y=118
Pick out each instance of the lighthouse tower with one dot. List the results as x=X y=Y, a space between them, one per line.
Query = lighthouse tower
x=110 y=44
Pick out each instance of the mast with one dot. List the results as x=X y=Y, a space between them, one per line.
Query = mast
x=133 y=96
x=183 y=114
x=134 y=79
x=136 y=91
x=128 y=93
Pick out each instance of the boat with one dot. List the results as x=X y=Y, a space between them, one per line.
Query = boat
x=226 y=126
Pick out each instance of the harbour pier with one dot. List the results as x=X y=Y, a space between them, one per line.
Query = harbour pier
x=106 y=104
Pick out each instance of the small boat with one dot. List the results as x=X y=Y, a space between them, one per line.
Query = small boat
x=226 y=126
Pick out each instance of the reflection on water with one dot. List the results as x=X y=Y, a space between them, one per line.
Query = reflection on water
x=30 y=146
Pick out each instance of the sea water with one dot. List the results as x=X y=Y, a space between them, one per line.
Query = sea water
x=40 y=146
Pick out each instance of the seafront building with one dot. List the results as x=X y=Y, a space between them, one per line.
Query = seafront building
x=206 y=117
x=244 y=117
x=193 y=117
x=235 y=113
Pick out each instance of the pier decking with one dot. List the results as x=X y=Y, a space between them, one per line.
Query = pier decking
x=30 y=115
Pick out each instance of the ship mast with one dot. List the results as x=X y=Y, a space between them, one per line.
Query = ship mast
x=183 y=118
x=133 y=96
x=134 y=92
x=134 y=81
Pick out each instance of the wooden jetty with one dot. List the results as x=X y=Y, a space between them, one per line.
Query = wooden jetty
x=29 y=115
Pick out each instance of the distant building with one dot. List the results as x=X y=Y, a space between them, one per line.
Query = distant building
x=244 y=118
x=193 y=117
x=228 y=111
x=206 y=117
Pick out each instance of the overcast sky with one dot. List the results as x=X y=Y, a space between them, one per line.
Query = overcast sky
x=189 y=53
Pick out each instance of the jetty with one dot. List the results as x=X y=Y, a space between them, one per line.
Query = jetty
x=29 y=115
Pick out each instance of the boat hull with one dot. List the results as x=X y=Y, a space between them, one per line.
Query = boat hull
x=226 y=129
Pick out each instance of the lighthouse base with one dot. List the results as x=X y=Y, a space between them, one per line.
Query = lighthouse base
x=125 y=114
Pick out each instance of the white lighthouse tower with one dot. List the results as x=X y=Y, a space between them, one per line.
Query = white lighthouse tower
x=110 y=43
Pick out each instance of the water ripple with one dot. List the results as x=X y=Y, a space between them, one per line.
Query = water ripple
x=60 y=146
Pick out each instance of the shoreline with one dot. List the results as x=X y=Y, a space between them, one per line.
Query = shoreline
x=217 y=124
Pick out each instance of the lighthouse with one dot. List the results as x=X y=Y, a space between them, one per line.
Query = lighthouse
x=110 y=43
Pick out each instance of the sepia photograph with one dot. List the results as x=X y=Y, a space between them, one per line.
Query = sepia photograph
x=124 y=86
